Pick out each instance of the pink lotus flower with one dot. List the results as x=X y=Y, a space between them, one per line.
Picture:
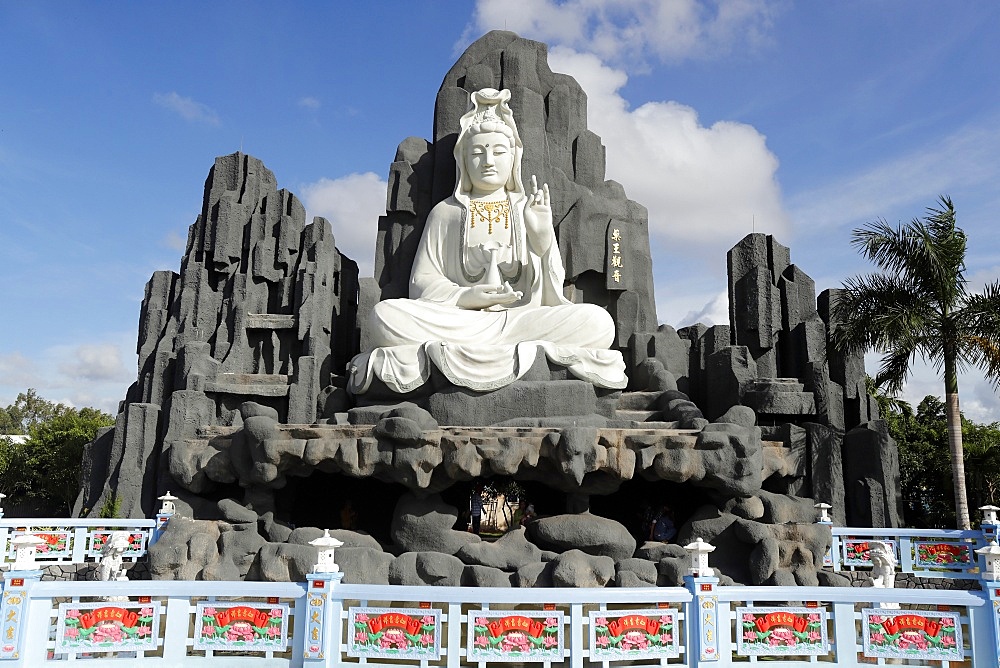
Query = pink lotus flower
x=514 y=642
x=782 y=635
x=946 y=640
x=107 y=633
x=481 y=621
x=601 y=621
x=878 y=638
x=207 y=630
x=273 y=631
x=749 y=635
x=551 y=622
x=602 y=641
x=72 y=633
x=814 y=636
x=426 y=639
x=813 y=617
x=360 y=637
x=143 y=631
x=550 y=642
x=947 y=622
x=482 y=641
x=748 y=617
x=73 y=614
x=635 y=640
x=210 y=611
x=666 y=638
x=396 y=638
x=276 y=612
x=427 y=619
x=146 y=612
x=666 y=619
x=361 y=618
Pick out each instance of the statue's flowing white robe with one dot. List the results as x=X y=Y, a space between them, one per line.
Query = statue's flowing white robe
x=488 y=349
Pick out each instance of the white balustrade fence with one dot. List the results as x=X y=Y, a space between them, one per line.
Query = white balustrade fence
x=929 y=553
x=75 y=541
x=324 y=622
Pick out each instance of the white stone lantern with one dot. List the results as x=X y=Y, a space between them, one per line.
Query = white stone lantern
x=326 y=544
x=989 y=514
x=991 y=555
x=25 y=547
x=824 y=513
x=167 y=504
x=700 y=550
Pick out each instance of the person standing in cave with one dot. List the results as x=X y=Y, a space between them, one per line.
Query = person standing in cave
x=476 y=508
x=662 y=527
x=348 y=516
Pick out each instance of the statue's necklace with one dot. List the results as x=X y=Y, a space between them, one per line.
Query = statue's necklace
x=492 y=213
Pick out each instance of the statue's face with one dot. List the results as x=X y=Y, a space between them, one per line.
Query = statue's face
x=489 y=160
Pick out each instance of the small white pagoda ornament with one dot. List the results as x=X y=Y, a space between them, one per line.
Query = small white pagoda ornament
x=991 y=555
x=326 y=544
x=700 y=550
x=989 y=514
x=25 y=548
x=167 y=506
x=824 y=513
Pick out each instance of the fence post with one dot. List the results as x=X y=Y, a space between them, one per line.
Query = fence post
x=825 y=519
x=321 y=645
x=16 y=583
x=990 y=573
x=703 y=613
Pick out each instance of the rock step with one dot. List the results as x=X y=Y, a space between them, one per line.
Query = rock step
x=640 y=401
x=637 y=416
x=648 y=425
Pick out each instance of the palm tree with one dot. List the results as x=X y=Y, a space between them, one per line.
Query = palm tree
x=918 y=305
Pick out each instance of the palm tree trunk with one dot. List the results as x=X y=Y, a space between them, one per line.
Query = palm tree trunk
x=954 y=418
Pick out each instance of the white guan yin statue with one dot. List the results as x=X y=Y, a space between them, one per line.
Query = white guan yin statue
x=486 y=288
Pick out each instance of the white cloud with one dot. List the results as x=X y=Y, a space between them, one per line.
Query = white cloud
x=705 y=187
x=964 y=159
x=714 y=312
x=175 y=241
x=978 y=400
x=309 y=102
x=95 y=361
x=17 y=371
x=92 y=373
x=352 y=204
x=187 y=108
x=630 y=31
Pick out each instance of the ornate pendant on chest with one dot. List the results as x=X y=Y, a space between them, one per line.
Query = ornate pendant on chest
x=491 y=213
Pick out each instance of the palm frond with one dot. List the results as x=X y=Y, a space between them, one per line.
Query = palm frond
x=895 y=368
x=875 y=310
x=979 y=321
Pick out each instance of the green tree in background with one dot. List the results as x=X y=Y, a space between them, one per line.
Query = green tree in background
x=45 y=469
x=925 y=463
x=28 y=410
x=918 y=305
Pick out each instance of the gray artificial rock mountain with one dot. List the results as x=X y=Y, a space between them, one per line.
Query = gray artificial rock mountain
x=240 y=406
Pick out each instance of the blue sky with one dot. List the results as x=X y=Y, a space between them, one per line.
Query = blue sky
x=804 y=120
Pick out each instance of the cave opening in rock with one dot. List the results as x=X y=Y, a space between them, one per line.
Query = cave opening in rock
x=319 y=500
x=636 y=501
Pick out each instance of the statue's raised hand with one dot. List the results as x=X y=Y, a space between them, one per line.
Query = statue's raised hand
x=538 y=217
